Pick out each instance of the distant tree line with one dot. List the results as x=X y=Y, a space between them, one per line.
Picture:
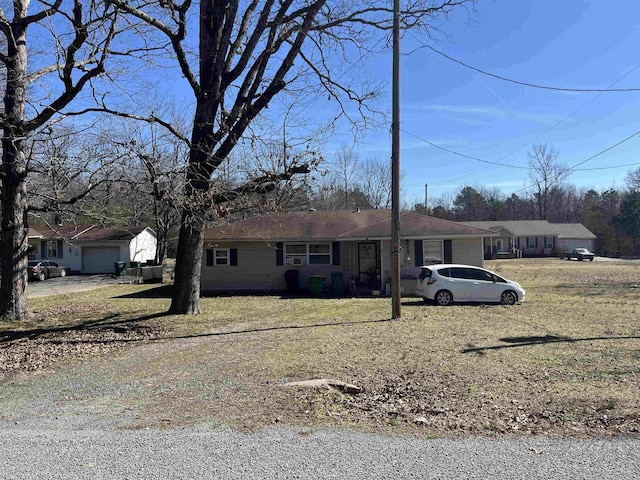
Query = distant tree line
x=613 y=215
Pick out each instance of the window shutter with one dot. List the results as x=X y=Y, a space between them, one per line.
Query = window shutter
x=279 y=253
x=419 y=254
x=335 y=246
x=233 y=254
x=60 y=249
x=43 y=249
x=448 y=252
x=209 y=257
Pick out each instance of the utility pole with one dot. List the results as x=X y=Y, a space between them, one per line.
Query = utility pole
x=395 y=167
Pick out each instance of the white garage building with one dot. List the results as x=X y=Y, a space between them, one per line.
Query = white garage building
x=91 y=248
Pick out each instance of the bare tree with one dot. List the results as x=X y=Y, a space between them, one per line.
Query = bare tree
x=67 y=167
x=375 y=182
x=546 y=174
x=345 y=170
x=633 y=179
x=74 y=39
x=247 y=54
x=154 y=182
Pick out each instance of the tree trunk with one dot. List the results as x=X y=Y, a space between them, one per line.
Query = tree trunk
x=14 y=243
x=13 y=290
x=186 y=293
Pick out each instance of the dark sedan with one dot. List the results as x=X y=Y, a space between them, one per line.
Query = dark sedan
x=43 y=269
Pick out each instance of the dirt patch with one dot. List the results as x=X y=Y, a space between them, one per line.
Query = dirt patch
x=30 y=349
x=444 y=404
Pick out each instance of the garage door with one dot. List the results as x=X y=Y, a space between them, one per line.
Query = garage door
x=99 y=259
x=570 y=244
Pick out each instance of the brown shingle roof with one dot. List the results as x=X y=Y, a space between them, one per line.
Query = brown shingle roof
x=534 y=228
x=326 y=225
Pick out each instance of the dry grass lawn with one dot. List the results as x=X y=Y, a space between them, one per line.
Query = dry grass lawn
x=565 y=362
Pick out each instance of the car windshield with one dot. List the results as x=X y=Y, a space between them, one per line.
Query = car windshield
x=33 y=264
x=581 y=250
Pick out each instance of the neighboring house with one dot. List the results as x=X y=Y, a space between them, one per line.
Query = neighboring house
x=91 y=248
x=254 y=254
x=533 y=237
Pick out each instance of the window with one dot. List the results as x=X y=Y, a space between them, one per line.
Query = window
x=307 y=253
x=319 y=254
x=432 y=251
x=458 y=272
x=52 y=249
x=296 y=254
x=445 y=272
x=221 y=256
x=218 y=257
x=531 y=242
x=481 y=275
x=548 y=242
x=424 y=273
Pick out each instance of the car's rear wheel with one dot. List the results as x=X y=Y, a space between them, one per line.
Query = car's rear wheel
x=443 y=298
x=508 y=298
x=42 y=276
x=63 y=273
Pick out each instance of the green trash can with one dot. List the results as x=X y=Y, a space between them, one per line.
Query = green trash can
x=120 y=266
x=337 y=283
x=316 y=285
x=134 y=264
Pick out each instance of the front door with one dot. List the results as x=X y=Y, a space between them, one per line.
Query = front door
x=368 y=265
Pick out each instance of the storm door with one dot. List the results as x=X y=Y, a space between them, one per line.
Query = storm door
x=368 y=265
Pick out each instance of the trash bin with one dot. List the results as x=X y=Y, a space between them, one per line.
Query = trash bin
x=291 y=277
x=120 y=267
x=316 y=285
x=337 y=283
x=134 y=264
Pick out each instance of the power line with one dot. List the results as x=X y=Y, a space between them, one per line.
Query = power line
x=462 y=154
x=591 y=158
x=527 y=84
x=607 y=168
x=605 y=150
x=584 y=105
x=529 y=168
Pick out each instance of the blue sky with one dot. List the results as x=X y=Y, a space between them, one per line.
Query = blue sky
x=576 y=44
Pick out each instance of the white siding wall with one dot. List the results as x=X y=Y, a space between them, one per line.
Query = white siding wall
x=72 y=257
x=257 y=270
x=467 y=251
x=143 y=247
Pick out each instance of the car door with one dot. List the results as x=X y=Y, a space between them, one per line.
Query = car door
x=54 y=270
x=460 y=284
x=484 y=288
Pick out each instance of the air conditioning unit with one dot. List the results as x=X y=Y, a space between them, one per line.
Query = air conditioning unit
x=294 y=261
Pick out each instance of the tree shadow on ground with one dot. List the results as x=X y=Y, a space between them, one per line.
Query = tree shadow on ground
x=273 y=329
x=527 y=341
x=110 y=322
x=162 y=291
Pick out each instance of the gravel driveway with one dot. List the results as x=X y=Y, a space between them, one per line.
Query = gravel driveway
x=69 y=284
x=302 y=454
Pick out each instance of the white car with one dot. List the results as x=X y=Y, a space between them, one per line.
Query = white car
x=448 y=283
